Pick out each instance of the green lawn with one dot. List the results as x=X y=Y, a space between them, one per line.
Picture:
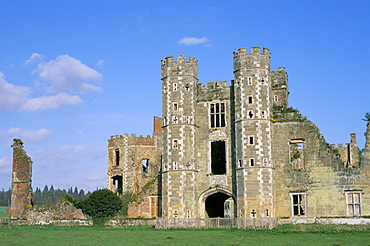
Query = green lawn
x=93 y=235
x=2 y=210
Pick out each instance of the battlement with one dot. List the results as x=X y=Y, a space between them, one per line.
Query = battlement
x=217 y=84
x=131 y=139
x=181 y=66
x=127 y=135
x=253 y=59
x=254 y=50
x=180 y=58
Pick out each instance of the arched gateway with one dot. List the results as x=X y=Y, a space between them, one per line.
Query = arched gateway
x=216 y=202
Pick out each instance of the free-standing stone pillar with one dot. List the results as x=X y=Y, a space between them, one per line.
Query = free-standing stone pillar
x=21 y=198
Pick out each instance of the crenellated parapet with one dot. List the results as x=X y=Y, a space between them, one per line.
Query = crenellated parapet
x=131 y=139
x=253 y=59
x=177 y=67
x=218 y=90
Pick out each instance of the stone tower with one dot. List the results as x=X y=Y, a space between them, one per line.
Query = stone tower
x=179 y=82
x=253 y=156
x=21 y=181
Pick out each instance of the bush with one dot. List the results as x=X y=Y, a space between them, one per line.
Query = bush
x=69 y=198
x=101 y=205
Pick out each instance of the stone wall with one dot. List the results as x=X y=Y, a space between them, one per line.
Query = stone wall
x=21 y=198
x=134 y=163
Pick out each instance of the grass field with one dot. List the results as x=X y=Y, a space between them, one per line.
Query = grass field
x=140 y=235
x=2 y=210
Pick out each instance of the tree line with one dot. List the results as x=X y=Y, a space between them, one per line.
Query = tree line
x=49 y=196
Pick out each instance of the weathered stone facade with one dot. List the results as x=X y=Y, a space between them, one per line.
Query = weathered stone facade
x=133 y=166
x=237 y=151
x=21 y=199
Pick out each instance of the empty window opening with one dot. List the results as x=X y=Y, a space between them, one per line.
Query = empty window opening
x=250 y=99
x=276 y=98
x=175 y=144
x=117 y=157
x=217 y=114
x=145 y=164
x=175 y=106
x=299 y=204
x=187 y=87
x=175 y=119
x=187 y=120
x=249 y=81
x=175 y=87
x=262 y=81
x=297 y=153
x=188 y=214
x=251 y=162
x=218 y=157
x=240 y=163
x=175 y=165
x=250 y=114
x=117 y=183
x=353 y=203
x=218 y=205
x=251 y=140
x=263 y=114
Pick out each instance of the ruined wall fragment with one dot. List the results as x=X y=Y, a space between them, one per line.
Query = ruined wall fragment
x=21 y=198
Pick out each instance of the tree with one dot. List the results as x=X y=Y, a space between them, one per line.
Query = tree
x=367 y=118
x=101 y=205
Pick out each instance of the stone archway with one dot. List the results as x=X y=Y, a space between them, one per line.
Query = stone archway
x=215 y=202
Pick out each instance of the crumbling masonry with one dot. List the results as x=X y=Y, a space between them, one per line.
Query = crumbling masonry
x=236 y=151
x=22 y=195
x=21 y=199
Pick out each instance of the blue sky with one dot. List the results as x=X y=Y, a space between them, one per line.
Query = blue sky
x=73 y=73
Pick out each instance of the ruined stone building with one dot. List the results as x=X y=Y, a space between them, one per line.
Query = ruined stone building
x=236 y=151
x=22 y=194
x=21 y=199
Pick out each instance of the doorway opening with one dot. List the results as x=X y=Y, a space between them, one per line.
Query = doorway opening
x=218 y=205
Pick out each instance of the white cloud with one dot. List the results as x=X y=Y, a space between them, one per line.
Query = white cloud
x=68 y=73
x=100 y=63
x=12 y=96
x=34 y=58
x=28 y=135
x=195 y=41
x=51 y=102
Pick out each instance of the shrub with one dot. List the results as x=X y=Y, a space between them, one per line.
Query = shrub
x=101 y=205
